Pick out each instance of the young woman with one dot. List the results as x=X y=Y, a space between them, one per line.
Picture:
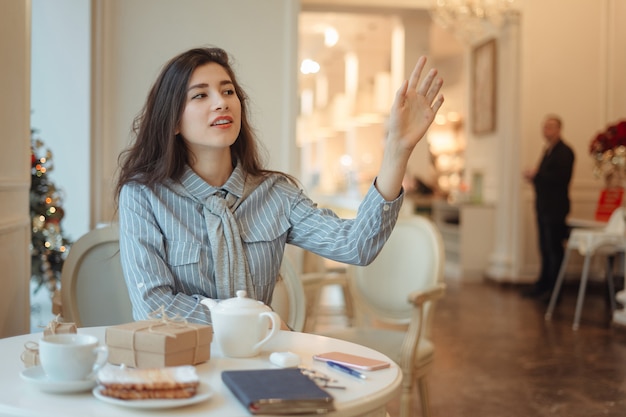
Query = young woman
x=201 y=217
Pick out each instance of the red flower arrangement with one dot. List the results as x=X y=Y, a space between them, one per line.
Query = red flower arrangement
x=610 y=139
x=608 y=150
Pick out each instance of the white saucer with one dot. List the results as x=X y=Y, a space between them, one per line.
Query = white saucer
x=36 y=376
x=203 y=393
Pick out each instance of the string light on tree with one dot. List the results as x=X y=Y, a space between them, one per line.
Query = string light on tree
x=48 y=245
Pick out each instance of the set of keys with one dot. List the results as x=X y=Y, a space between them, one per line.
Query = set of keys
x=292 y=360
x=320 y=378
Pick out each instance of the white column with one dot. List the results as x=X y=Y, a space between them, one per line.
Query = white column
x=502 y=263
x=15 y=224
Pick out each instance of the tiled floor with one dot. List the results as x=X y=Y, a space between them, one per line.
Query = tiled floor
x=497 y=357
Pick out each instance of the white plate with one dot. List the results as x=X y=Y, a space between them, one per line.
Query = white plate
x=36 y=376
x=202 y=394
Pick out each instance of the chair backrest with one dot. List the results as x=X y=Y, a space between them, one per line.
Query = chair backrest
x=616 y=222
x=93 y=290
x=412 y=259
x=288 y=299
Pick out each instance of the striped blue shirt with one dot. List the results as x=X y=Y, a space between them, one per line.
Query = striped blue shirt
x=166 y=253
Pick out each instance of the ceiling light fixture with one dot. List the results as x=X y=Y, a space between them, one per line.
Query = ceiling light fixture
x=308 y=66
x=470 y=19
x=331 y=36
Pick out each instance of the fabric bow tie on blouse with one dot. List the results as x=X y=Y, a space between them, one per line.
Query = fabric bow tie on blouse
x=229 y=259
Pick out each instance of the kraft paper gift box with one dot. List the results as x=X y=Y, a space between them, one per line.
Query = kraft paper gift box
x=56 y=326
x=157 y=343
x=30 y=355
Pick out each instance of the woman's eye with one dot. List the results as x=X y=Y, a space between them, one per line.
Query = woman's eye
x=229 y=92
x=200 y=95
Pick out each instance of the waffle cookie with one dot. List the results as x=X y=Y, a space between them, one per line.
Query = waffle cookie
x=150 y=383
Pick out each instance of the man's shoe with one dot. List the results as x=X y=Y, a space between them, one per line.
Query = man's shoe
x=547 y=296
x=536 y=292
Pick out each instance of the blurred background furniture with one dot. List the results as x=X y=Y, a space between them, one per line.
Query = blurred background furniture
x=395 y=299
x=608 y=241
x=321 y=282
x=318 y=279
x=466 y=258
x=288 y=299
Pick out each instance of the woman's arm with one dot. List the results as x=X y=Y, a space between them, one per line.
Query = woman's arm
x=352 y=241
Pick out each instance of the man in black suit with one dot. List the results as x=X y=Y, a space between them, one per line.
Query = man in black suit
x=551 y=182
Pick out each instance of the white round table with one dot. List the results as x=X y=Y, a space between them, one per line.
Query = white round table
x=360 y=398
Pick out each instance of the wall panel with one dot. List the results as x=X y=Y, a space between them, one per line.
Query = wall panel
x=14 y=167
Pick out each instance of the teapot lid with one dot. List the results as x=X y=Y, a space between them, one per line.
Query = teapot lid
x=241 y=304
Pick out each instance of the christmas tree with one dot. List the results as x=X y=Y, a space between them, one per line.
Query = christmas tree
x=48 y=245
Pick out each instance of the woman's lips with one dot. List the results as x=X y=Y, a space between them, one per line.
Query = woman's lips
x=222 y=122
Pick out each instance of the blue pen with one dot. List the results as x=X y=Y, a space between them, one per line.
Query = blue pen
x=345 y=369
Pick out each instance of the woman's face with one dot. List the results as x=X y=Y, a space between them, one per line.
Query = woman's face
x=212 y=115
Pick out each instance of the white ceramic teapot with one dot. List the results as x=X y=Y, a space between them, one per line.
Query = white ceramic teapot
x=241 y=324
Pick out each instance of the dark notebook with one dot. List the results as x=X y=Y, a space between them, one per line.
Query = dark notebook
x=278 y=391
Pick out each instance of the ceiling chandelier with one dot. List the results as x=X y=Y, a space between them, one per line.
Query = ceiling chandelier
x=469 y=19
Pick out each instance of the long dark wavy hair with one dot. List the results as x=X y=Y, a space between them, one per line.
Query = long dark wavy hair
x=157 y=153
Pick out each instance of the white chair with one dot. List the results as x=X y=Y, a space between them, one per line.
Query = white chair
x=93 y=290
x=395 y=297
x=94 y=293
x=288 y=299
x=608 y=241
x=315 y=276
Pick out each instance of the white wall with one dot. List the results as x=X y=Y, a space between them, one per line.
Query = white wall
x=136 y=37
x=60 y=101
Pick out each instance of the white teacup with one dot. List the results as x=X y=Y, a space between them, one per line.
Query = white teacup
x=71 y=357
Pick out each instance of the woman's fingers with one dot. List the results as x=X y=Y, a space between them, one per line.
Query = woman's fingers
x=429 y=87
x=401 y=94
x=433 y=87
x=438 y=103
x=417 y=72
x=426 y=85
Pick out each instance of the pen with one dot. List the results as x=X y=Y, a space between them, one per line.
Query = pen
x=345 y=369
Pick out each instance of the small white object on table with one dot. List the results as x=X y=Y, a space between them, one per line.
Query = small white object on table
x=360 y=398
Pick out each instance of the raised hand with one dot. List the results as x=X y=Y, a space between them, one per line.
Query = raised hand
x=413 y=111
x=414 y=108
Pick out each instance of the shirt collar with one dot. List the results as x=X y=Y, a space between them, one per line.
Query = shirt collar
x=201 y=189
